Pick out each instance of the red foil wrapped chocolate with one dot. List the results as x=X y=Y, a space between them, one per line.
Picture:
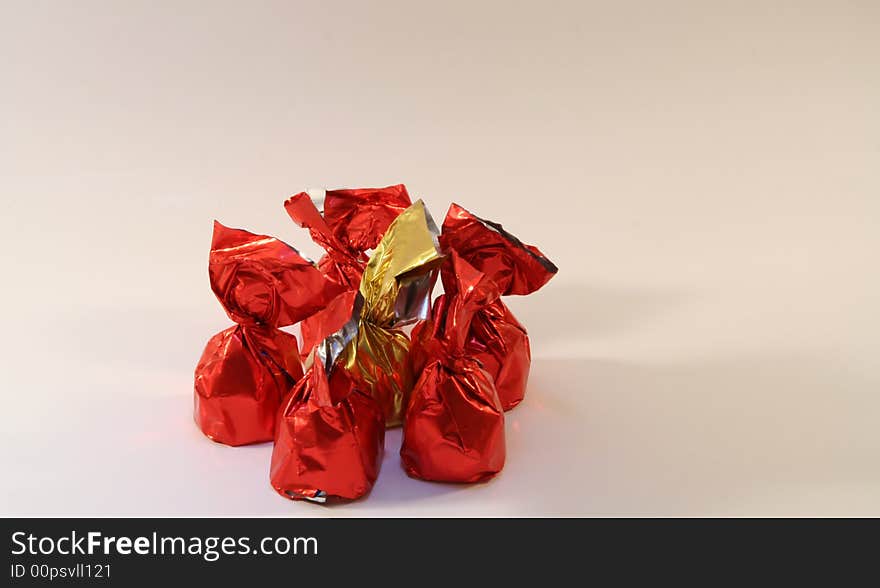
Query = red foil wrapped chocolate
x=454 y=425
x=495 y=338
x=329 y=440
x=352 y=223
x=245 y=370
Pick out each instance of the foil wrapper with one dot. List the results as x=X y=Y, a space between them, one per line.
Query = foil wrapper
x=454 y=425
x=331 y=434
x=449 y=384
x=396 y=291
x=496 y=338
x=346 y=224
x=245 y=370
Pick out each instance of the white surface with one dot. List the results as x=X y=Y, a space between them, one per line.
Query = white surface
x=706 y=178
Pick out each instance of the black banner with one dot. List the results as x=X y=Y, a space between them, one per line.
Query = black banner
x=220 y=552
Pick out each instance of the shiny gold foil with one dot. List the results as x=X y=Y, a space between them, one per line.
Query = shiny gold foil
x=377 y=356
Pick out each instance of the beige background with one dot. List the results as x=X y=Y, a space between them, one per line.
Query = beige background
x=705 y=174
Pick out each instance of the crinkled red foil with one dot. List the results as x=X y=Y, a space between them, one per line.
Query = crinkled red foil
x=496 y=339
x=352 y=223
x=329 y=440
x=246 y=369
x=359 y=217
x=454 y=426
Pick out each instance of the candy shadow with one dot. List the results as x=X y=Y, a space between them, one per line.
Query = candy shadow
x=777 y=433
x=570 y=311
x=395 y=488
x=767 y=434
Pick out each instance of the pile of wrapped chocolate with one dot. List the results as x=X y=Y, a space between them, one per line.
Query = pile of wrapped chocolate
x=373 y=350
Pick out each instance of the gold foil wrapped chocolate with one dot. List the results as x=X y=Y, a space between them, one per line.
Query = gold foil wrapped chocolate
x=396 y=290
